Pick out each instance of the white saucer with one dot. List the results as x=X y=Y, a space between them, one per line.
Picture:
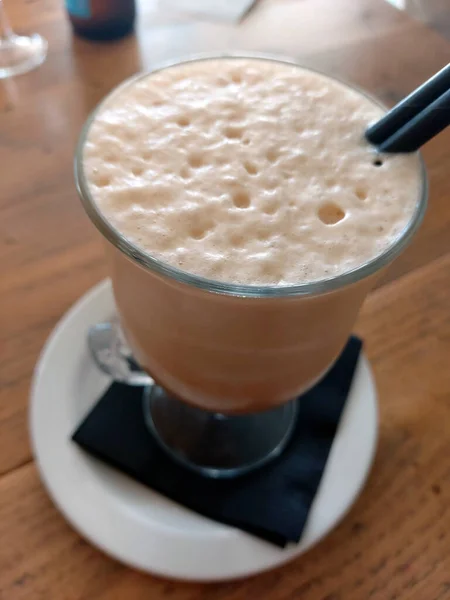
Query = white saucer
x=140 y=527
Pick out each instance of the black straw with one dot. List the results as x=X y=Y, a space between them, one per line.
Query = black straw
x=408 y=108
x=428 y=123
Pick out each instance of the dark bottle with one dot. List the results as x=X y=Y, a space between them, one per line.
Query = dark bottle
x=102 y=19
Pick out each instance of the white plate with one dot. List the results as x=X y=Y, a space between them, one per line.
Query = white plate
x=140 y=527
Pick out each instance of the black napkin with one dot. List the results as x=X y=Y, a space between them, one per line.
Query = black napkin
x=273 y=502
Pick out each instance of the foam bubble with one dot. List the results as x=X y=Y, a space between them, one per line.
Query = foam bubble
x=241 y=198
x=330 y=213
x=251 y=168
x=270 y=207
x=195 y=160
x=361 y=193
x=233 y=133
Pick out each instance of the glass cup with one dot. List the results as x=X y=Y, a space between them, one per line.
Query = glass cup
x=18 y=53
x=227 y=360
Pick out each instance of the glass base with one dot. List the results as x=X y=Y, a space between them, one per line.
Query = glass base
x=216 y=445
x=19 y=54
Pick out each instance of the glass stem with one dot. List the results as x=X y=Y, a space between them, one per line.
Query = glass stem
x=6 y=33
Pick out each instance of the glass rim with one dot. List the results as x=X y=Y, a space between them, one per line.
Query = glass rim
x=151 y=263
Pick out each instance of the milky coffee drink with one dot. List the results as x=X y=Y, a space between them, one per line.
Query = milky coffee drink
x=248 y=172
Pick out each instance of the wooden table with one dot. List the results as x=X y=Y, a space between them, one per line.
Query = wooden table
x=395 y=543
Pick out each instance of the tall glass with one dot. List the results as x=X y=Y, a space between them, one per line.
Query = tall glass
x=228 y=359
x=18 y=53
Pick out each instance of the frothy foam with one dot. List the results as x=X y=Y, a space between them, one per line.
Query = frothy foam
x=248 y=171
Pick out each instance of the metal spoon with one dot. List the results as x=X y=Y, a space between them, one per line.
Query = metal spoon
x=112 y=355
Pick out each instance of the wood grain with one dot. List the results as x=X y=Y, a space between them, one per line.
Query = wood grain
x=394 y=543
